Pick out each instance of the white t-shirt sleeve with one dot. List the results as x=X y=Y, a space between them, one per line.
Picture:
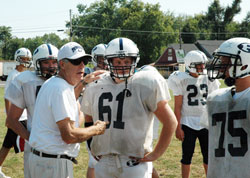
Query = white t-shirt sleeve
x=61 y=105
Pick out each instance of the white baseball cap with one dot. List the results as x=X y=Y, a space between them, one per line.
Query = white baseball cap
x=72 y=51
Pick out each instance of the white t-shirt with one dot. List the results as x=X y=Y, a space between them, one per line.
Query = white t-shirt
x=130 y=130
x=22 y=92
x=194 y=92
x=55 y=102
x=12 y=75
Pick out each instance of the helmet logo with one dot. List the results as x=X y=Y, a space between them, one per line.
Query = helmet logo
x=244 y=47
x=78 y=48
x=121 y=44
x=36 y=51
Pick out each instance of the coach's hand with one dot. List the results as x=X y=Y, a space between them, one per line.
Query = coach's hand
x=93 y=76
x=100 y=127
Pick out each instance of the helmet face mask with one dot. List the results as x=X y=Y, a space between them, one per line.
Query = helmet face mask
x=195 y=62
x=122 y=48
x=48 y=71
x=232 y=57
x=23 y=57
x=43 y=53
x=122 y=72
x=198 y=68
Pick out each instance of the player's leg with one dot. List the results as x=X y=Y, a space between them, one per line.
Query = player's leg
x=188 y=146
x=3 y=154
x=91 y=164
x=154 y=173
x=90 y=172
x=155 y=137
x=203 y=139
x=41 y=167
x=105 y=167
x=8 y=143
x=141 y=170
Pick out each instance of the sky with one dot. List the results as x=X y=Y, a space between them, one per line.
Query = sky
x=31 y=18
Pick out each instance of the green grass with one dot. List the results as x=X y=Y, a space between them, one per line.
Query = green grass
x=167 y=166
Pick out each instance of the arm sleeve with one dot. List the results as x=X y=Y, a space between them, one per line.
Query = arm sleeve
x=174 y=84
x=159 y=92
x=85 y=104
x=62 y=105
x=14 y=94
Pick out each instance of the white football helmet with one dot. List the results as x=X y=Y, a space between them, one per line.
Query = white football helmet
x=23 y=53
x=45 y=52
x=238 y=65
x=98 y=52
x=121 y=48
x=194 y=58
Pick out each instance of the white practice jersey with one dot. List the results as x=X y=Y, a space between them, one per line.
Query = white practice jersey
x=130 y=118
x=229 y=134
x=22 y=92
x=12 y=75
x=194 y=92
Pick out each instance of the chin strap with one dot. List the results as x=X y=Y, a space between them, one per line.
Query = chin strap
x=126 y=90
x=233 y=90
x=229 y=81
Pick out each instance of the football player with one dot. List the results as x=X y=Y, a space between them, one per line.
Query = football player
x=23 y=60
x=97 y=53
x=229 y=111
x=23 y=90
x=190 y=90
x=127 y=100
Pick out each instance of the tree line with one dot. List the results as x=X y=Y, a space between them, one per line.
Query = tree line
x=149 y=27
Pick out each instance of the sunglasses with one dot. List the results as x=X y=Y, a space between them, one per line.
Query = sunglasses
x=77 y=62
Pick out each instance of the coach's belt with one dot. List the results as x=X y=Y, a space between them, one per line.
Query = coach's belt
x=45 y=155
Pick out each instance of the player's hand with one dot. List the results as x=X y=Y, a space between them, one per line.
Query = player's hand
x=179 y=134
x=100 y=127
x=148 y=157
x=93 y=76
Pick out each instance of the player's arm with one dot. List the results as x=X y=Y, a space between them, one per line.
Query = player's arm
x=169 y=123
x=13 y=123
x=177 y=110
x=71 y=134
x=87 y=79
x=7 y=105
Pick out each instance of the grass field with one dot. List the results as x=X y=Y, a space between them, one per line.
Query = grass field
x=168 y=166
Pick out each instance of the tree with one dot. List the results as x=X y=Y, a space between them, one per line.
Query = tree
x=218 y=17
x=13 y=45
x=244 y=27
x=143 y=23
x=5 y=36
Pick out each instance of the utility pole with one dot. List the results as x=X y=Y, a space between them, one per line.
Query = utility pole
x=70 y=30
x=180 y=36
